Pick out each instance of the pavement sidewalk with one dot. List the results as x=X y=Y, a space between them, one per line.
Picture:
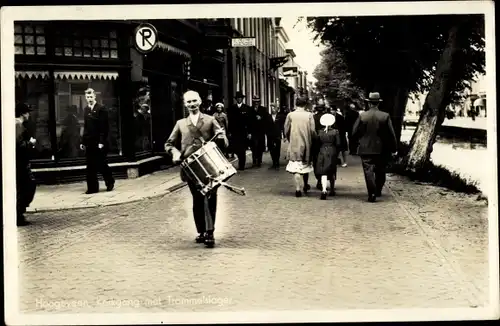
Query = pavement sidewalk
x=72 y=195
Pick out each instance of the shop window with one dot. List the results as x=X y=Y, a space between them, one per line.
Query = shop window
x=88 y=45
x=70 y=104
x=29 y=39
x=33 y=88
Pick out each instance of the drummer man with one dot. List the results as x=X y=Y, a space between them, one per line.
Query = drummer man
x=197 y=125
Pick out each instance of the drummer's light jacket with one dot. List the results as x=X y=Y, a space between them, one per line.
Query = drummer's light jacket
x=189 y=134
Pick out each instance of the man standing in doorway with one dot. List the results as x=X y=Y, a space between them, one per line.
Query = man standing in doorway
x=259 y=116
x=376 y=141
x=238 y=115
x=95 y=143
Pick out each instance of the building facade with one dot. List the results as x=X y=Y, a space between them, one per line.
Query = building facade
x=55 y=61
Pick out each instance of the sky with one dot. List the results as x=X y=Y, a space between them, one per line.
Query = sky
x=301 y=41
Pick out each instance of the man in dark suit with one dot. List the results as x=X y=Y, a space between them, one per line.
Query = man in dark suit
x=320 y=109
x=275 y=130
x=237 y=116
x=258 y=118
x=95 y=143
x=377 y=140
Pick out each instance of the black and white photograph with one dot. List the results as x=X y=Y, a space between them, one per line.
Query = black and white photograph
x=235 y=163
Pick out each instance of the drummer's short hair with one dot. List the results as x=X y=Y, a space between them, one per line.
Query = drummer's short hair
x=193 y=94
x=89 y=91
x=302 y=101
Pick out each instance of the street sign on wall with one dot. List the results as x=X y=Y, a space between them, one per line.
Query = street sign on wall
x=146 y=38
x=243 y=42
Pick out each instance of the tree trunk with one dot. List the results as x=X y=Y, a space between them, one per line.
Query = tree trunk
x=436 y=101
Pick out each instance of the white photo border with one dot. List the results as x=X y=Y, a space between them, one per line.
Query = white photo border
x=131 y=12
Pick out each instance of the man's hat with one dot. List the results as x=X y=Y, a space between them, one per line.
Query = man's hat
x=373 y=97
x=239 y=95
x=256 y=98
x=22 y=108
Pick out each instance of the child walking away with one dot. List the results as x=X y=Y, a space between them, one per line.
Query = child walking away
x=326 y=163
x=221 y=118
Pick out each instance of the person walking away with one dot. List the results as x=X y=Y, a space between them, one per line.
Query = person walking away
x=276 y=124
x=189 y=131
x=340 y=125
x=351 y=116
x=258 y=118
x=300 y=132
x=320 y=111
x=25 y=182
x=238 y=116
x=326 y=163
x=95 y=143
x=376 y=140
x=221 y=118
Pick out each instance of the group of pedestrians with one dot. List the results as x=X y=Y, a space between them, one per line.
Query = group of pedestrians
x=316 y=140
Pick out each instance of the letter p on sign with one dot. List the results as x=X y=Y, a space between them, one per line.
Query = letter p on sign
x=146 y=38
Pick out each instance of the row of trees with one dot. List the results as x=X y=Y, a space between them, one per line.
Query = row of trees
x=399 y=56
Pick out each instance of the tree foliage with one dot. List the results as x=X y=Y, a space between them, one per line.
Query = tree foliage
x=400 y=50
x=333 y=78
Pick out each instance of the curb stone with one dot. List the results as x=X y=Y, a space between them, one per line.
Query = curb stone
x=177 y=186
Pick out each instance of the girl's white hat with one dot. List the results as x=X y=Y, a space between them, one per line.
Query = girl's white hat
x=327 y=120
x=219 y=104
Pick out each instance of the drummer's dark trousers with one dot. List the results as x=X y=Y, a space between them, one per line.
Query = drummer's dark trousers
x=199 y=208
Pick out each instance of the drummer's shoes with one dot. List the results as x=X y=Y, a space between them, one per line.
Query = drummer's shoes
x=200 y=238
x=209 y=240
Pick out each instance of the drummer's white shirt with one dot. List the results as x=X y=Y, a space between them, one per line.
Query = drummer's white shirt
x=194 y=118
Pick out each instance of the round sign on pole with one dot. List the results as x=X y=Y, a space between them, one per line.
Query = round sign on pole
x=146 y=38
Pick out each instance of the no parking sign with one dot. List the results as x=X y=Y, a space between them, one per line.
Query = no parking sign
x=146 y=38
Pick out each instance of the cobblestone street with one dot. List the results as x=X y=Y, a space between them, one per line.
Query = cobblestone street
x=274 y=251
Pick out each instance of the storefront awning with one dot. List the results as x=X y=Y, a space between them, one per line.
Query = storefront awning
x=32 y=74
x=170 y=48
x=85 y=75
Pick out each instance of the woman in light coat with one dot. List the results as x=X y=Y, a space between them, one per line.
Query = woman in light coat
x=300 y=132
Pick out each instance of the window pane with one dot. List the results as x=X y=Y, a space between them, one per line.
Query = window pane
x=78 y=52
x=77 y=43
x=18 y=28
x=105 y=53
x=30 y=50
x=86 y=43
x=29 y=39
x=104 y=43
x=114 y=54
x=58 y=51
x=67 y=41
x=96 y=53
x=112 y=34
x=114 y=45
x=18 y=49
x=35 y=92
x=40 y=50
x=68 y=52
x=28 y=29
x=95 y=43
x=70 y=113
x=18 y=39
x=87 y=52
x=40 y=40
x=39 y=29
